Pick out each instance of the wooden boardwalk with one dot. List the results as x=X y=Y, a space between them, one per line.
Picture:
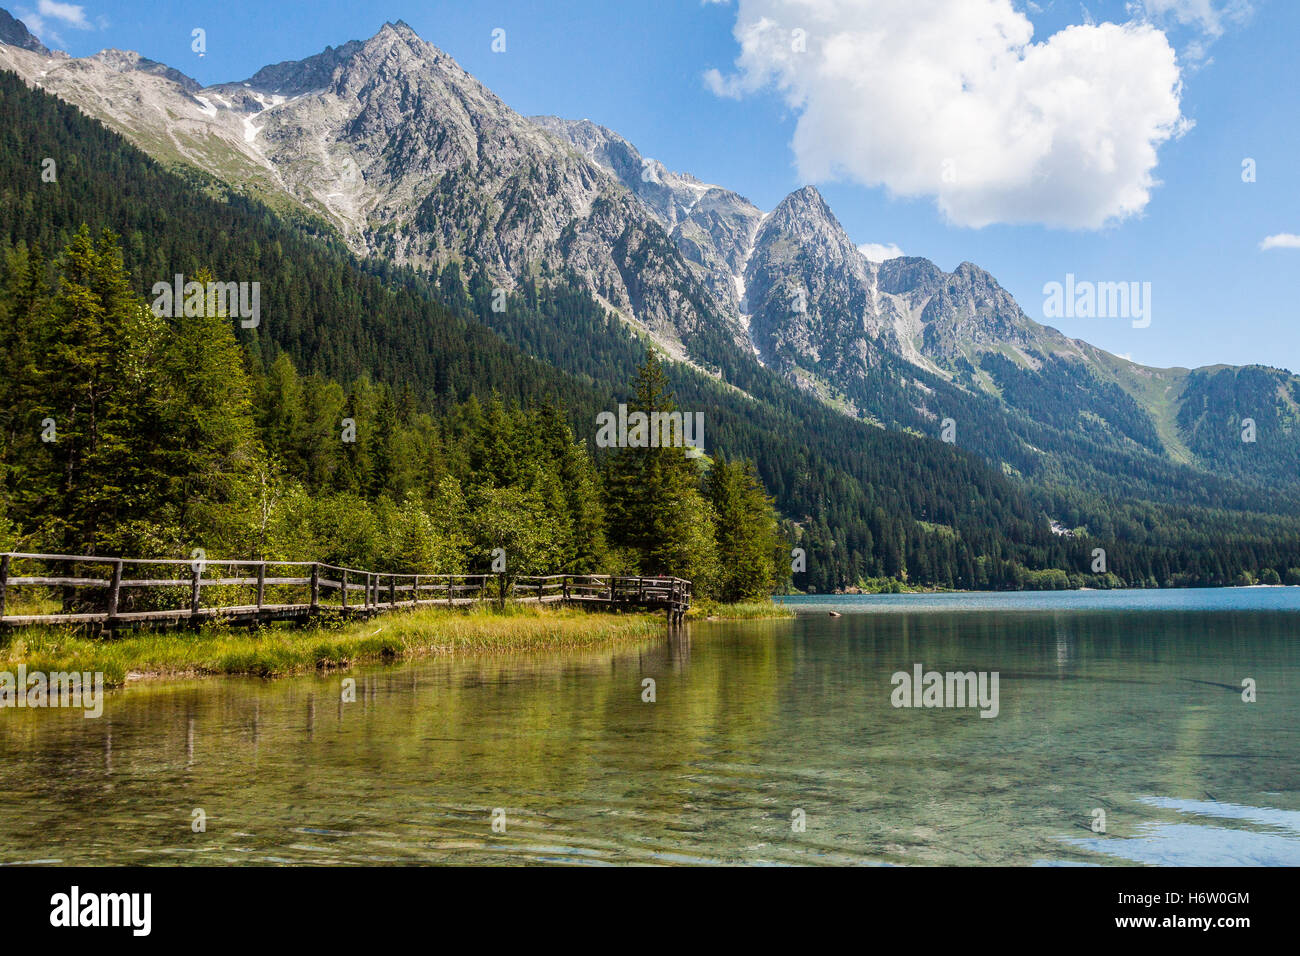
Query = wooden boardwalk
x=117 y=594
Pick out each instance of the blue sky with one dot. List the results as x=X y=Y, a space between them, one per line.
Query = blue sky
x=869 y=131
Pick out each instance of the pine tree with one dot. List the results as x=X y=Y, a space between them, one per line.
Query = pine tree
x=82 y=343
x=652 y=501
x=209 y=449
x=747 y=531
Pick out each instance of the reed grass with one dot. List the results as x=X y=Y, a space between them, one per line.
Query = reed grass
x=744 y=611
x=277 y=651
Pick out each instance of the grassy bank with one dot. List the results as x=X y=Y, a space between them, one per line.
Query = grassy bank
x=274 y=652
x=749 y=611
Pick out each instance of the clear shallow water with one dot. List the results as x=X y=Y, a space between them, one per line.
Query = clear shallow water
x=1136 y=712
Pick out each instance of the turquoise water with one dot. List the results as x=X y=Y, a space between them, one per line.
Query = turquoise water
x=1182 y=599
x=1129 y=703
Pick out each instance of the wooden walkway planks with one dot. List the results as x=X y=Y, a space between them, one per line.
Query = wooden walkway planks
x=106 y=601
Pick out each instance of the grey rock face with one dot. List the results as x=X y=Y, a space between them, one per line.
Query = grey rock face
x=128 y=61
x=425 y=165
x=293 y=77
x=970 y=310
x=812 y=293
x=15 y=33
x=712 y=227
x=820 y=306
x=669 y=195
x=910 y=275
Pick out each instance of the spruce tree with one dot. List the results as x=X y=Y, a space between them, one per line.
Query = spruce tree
x=652 y=501
x=747 y=531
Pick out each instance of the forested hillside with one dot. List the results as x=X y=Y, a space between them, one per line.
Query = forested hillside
x=451 y=414
x=1246 y=418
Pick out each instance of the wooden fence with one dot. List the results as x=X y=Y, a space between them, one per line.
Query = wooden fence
x=122 y=593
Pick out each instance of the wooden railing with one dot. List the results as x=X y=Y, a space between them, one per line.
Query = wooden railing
x=117 y=593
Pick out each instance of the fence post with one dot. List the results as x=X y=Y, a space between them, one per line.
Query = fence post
x=565 y=585
x=66 y=592
x=261 y=584
x=195 y=585
x=114 y=589
x=392 y=590
x=315 y=585
x=345 y=589
x=415 y=592
x=4 y=581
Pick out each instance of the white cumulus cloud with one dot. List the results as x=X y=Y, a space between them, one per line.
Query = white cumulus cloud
x=1283 y=240
x=69 y=13
x=1209 y=16
x=954 y=100
x=880 y=251
x=50 y=14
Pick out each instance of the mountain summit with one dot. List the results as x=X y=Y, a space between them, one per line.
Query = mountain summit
x=15 y=33
x=413 y=160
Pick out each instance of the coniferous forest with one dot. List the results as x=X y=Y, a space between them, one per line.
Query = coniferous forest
x=155 y=439
x=386 y=419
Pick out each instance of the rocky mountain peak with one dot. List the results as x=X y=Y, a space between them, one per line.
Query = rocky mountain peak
x=15 y=33
x=804 y=219
x=804 y=213
x=970 y=272
x=397 y=34
x=670 y=196
x=401 y=28
x=128 y=61
x=293 y=77
x=909 y=274
x=394 y=54
x=812 y=293
x=804 y=201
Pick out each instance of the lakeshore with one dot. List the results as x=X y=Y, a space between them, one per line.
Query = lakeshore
x=397 y=636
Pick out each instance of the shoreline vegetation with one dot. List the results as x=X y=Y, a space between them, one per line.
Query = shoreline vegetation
x=397 y=636
x=740 y=611
x=285 y=651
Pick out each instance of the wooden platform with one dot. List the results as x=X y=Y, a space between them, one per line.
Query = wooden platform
x=114 y=594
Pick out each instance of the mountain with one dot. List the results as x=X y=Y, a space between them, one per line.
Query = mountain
x=904 y=344
x=14 y=33
x=410 y=159
x=863 y=502
x=414 y=162
x=712 y=227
